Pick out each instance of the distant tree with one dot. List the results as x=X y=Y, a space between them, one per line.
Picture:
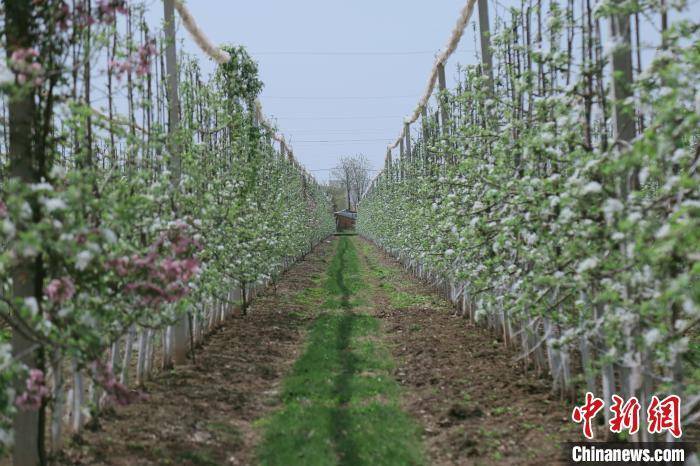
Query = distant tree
x=353 y=173
x=336 y=191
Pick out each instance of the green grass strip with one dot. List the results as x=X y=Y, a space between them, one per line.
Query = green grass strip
x=340 y=402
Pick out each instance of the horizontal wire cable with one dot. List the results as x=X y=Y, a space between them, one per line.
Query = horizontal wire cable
x=341 y=140
x=311 y=97
x=353 y=53
x=334 y=117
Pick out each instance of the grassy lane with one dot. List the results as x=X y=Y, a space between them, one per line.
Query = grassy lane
x=341 y=405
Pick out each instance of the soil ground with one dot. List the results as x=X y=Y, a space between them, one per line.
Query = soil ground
x=474 y=402
x=205 y=413
x=470 y=402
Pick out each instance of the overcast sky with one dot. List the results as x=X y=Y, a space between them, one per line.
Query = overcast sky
x=346 y=72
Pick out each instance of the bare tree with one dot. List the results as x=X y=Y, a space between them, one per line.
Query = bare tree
x=353 y=173
x=360 y=176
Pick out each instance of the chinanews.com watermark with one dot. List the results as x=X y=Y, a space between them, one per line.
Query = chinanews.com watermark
x=617 y=453
x=661 y=418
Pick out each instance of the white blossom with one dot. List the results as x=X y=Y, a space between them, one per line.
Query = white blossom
x=587 y=264
x=109 y=235
x=663 y=231
x=680 y=325
x=83 y=259
x=691 y=203
x=678 y=155
x=6 y=77
x=678 y=347
x=530 y=238
x=26 y=211
x=29 y=252
x=6 y=437
x=690 y=308
x=8 y=228
x=643 y=176
x=31 y=304
x=53 y=204
x=634 y=217
x=652 y=336
x=43 y=186
x=591 y=187
x=57 y=172
x=610 y=207
x=566 y=215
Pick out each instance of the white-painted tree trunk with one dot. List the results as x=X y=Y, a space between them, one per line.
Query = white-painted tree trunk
x=126 y=361
x=58 y=390
x=141 y=357
x=78 y=399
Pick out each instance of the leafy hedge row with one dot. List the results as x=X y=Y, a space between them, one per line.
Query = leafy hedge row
x=581 y=249
x=113 y=233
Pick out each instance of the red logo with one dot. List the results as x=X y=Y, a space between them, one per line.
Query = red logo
x=665 y=415
x=587 y=412
x=625 y=415
x=662 y=415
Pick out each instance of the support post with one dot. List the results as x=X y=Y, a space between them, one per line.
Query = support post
x=407 y=135
x=179 y=330
x=621 y=85
x=623 y=121
x=388 y=165
x=442 y=86
x=402 y=155
x=486 y=57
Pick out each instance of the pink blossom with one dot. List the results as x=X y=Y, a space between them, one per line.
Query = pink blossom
x=107 y=10
x=60 y=290
x=162 y=275
x=35 y=392
x=139 y=61
x=119 y=265
x=23 y=64
x=3 y=209
x=116 y=392
x=62 y=16
x=144 y=54
x=22 y=54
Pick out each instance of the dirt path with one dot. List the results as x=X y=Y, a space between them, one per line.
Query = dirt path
x=474 y=403
x=350 y=362
x=204 y=414
x=341 y=404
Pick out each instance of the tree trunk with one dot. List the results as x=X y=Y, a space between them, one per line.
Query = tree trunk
x=25 y=161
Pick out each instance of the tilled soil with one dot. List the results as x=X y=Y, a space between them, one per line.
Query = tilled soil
x=467 y=391
x=204 y=413
x=474 y=403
